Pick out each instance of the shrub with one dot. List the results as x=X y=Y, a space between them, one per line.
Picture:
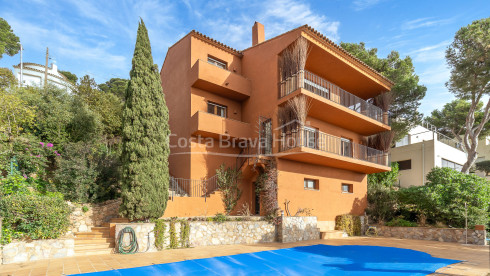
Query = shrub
x=381 y=194
x=483 y=166
x=349 y=223
x=401 y=222
x=219 y=217
x=85 y=209
x=266 y=186
x=227 y=180
x=160 y=228
x=14 y=184
x=33 y=216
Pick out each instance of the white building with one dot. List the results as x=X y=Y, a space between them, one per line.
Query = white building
x=33 y=75
x=422 y=150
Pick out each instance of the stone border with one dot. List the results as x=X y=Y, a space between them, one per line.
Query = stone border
x=21 y=251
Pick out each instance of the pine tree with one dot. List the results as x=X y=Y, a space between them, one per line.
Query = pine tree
x=145 y=137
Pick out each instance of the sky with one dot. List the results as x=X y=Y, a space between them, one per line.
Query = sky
x=97 y=37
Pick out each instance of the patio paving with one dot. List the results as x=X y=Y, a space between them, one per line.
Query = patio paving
x=476 y=258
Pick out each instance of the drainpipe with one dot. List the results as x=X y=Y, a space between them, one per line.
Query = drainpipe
x=423 y=163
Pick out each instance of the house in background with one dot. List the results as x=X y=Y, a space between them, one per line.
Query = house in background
x=216 y=92
x=483 y=151
x=423 y=149
x=33 y=75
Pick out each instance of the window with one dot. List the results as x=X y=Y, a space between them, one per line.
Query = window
x=217 y=109
x=217 y=62
x=346 y=147
x=310 y=137
x=311 y=184
x=347 y=188
x=449 y=164
x=403 y=142
x=404 y=165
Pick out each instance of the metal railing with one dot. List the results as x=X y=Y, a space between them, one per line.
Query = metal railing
x=310 y=138
x=313 y=83
x=180 y=187
x=443 y=138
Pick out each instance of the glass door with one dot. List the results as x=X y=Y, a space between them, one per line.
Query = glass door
x=346 y=147
x=310 y=137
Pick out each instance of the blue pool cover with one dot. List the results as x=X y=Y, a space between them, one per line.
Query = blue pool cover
x=304 y=260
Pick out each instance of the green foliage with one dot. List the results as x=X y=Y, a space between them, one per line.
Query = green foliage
x=185 y=229
x=173 y=234
x=228 y=180
x=115 y=86
x=70 y=76
x=484 y=166
x=86 y=173
x=381 y=195
x=349 y=223
x=33 y=216
x=451 y=119
x=401 y=223
x=15 y=114
x=7 y=79
x=14 y=184
x=219 y=217
x=9 y=42
x=145 y=144
x=407 y=91
x=160 y=228
x=85 y=209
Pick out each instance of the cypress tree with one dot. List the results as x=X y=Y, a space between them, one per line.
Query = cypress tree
x=145 y=141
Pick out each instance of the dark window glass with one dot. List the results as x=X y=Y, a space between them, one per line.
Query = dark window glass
x=405 y=165
x=217 y=109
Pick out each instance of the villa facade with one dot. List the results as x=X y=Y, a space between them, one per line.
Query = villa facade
x=33 y=75
x=221 y=100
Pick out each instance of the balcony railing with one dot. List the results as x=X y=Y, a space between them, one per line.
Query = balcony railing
x=313 y=83
x=192 y=187
x=314 y=139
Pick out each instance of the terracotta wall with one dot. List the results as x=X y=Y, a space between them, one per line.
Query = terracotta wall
x=328 y=201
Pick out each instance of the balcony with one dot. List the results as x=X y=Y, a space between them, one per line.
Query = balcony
x=315 y=147
x=334 y=105
x=220 y=81
x=209 y=125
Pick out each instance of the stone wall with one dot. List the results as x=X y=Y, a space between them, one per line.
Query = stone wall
x=231 y=232
x=144 y=235
x=434 y=234
x=97 y=214
x=19 y=252
x=292 y=229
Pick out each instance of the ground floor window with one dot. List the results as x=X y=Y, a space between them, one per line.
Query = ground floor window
x=450 y=164
x=404 y=165
x=347 y=188
x=311 y=184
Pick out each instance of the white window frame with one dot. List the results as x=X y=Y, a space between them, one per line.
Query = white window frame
x=217 y=63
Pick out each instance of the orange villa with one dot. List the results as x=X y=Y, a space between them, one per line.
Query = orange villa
x=216 y=95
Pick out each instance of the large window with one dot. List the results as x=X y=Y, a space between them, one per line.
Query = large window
x=217 y=109
x=217 y=62
x=346 y=147
x=311 y=184
x=310 y=137
x=404 y=165
x=450 y=164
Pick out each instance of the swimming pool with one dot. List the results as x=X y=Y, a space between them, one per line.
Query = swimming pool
x=304 y=260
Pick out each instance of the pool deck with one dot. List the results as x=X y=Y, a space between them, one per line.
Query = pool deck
x=477 y=260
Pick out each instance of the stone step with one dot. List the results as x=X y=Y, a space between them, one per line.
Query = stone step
x=91 y=246
x=332 y=234
x=84 y=240
x=92 y=235
x=100 y=229
x=119 y=220
x=94 y=252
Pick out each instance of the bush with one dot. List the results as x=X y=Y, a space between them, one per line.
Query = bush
x=33 y=216
x=381 y=194
x=401 y=223
x=443 y=198
x=348 y=223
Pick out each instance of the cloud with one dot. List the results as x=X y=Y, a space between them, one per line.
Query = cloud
x=360 y=5
x=431 y=53
x=436 y=74
x=424 y=22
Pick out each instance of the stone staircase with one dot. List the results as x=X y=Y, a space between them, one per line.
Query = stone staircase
x=332 y=234
x=101 y=240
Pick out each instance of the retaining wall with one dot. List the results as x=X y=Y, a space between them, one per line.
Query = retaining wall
x=19 y=252
x=434 y=234
x=292 y=229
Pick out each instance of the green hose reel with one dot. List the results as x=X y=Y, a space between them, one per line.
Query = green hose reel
x=130 y=248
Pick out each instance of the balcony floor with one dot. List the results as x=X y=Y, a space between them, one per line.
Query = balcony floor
x=317 y=157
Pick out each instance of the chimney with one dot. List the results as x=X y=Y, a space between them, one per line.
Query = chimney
x=257 y=33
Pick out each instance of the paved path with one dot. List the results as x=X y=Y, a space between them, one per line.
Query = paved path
x=476 y=258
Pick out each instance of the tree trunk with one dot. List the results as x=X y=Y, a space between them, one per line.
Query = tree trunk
x=469 y=162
